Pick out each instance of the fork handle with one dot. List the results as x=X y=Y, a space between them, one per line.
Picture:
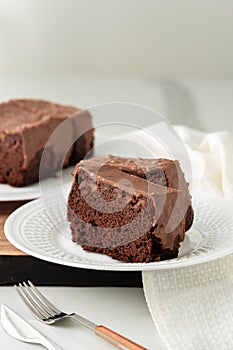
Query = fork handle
x=110 y=335
x=119 y=341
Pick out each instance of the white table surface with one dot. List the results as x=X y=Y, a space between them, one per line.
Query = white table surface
x=122 y=309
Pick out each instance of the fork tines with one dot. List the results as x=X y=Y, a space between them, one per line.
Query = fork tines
x=40 y=306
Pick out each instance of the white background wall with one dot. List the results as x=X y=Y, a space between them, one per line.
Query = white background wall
x=86 y=52
x=165 y=38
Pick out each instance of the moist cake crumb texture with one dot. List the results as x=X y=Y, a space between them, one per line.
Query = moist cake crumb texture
x=133 y=210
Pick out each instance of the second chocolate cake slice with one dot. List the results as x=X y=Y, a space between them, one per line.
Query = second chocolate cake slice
x=27 y=125
x=123 y=215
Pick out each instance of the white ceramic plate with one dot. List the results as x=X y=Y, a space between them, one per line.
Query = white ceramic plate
x=48 y=237
x=10 y=193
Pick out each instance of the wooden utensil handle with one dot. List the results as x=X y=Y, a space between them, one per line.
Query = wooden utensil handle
x=120 y=339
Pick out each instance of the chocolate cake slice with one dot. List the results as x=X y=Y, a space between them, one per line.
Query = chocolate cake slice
x=160 y=171
x=25 y=128
x=116 y=211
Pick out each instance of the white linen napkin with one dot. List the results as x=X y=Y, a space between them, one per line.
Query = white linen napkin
x=192 y=307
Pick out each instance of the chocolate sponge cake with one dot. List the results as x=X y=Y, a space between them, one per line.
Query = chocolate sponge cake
x=160 y=171
x=25 y=128
x=125 y=209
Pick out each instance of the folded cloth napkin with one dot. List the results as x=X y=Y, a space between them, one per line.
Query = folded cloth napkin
x=192 y=307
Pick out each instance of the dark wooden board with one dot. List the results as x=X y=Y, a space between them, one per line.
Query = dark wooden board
x=16 y=266
x=6 y=208
x=15 y=269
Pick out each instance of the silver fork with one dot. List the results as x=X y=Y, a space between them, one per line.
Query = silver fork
x=48 y=313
